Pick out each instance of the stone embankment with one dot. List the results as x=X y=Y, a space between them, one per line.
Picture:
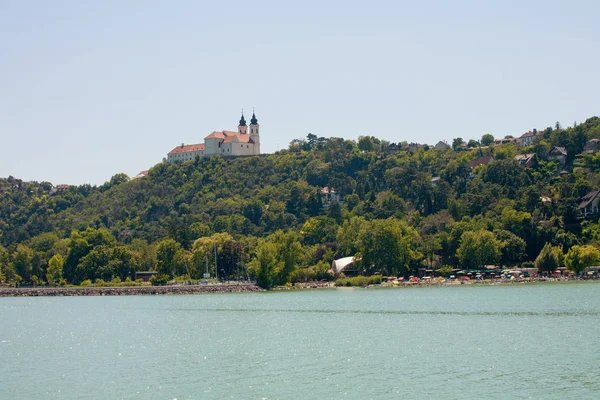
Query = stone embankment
x=127 y=291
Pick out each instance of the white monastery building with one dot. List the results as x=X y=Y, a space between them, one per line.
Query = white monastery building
x=225 y=143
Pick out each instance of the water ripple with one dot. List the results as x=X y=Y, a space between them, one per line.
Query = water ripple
x=572 y=313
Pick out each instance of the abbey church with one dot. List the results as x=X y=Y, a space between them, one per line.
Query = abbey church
x=225 y=143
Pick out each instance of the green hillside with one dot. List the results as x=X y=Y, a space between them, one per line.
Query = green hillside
x=401 y=208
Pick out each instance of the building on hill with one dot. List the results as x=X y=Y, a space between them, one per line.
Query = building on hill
x=442 y=146
x=589 y=204
x=558 y=154
x=58 y=189
x=244 y=142
x=483 y=160
x=527 y=138
x=329 y=196
x=506 y=140
x=592 y=146
x=526 y=160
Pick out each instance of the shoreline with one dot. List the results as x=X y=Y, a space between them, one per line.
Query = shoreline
x=127 y=291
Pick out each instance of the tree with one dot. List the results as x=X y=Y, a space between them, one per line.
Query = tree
x=578 y=258
x=547 y=260
x=288 y=253
x=22 y=262
x=513 y=247
x=457 y=142
x=230 y=258
x=478 y=248
x=348 y=236
x=387 y=246
x=55 y=269
x=319 y=230
x=366 y=143
x=80 y=244
x=204 y=249
x=487 y=139
x=265 y=265
x=170 y=258
x=472 y=143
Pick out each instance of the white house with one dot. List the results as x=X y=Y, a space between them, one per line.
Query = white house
x=225 y=143
x=589 y=204
x=329 y=196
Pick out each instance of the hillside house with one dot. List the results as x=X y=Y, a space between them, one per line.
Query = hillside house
x=442 y=146
x=329 y=197
x=527 y=138
x=526 y=160
x=483 y=160
x=589 y=204
x=558 y=154
x=592 y=146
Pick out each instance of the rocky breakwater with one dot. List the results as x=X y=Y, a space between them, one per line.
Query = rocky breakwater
x=128 y=291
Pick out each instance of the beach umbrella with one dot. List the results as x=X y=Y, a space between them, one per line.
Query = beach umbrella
x=466 y=278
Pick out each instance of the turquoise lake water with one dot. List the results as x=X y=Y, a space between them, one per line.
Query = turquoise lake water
x=475 y=342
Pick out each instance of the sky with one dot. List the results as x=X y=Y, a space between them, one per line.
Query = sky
x=89 y=89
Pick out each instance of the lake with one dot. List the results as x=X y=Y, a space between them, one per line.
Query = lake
x=469 y=341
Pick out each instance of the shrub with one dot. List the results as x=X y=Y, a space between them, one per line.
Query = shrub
x=116 y=281
x=445 y=271
x=159 y=280
x=359 y=281
x=87 y=282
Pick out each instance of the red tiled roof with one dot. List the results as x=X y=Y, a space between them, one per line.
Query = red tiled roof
x=228 y=136
x=217 y=135
x=241 y=138
x=142 y=174
x=187 y=148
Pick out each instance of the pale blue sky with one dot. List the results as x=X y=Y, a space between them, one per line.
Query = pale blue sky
x=91 y=88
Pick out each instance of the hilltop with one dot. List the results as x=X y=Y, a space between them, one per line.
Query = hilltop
x=399 y=206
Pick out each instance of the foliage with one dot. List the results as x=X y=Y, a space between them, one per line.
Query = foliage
x=394 y=216
x=478 y=248
x=578 y=258
x=55 y=269
x=547 y=260
x=360 y=281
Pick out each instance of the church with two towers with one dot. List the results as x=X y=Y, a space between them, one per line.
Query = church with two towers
x=244 y=142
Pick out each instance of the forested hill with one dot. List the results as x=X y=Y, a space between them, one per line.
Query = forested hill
x=402 y=207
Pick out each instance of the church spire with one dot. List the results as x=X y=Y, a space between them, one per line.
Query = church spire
x=242 y=120
x=253 y=121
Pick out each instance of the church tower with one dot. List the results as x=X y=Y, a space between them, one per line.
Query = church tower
x=242 y=127
x=254 y=127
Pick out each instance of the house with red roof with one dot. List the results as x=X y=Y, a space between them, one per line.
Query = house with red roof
x=244 y=142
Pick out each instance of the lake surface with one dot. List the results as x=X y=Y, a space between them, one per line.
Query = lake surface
x=493 y=342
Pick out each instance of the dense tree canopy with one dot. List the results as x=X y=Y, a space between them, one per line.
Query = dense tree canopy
x=401 y=207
